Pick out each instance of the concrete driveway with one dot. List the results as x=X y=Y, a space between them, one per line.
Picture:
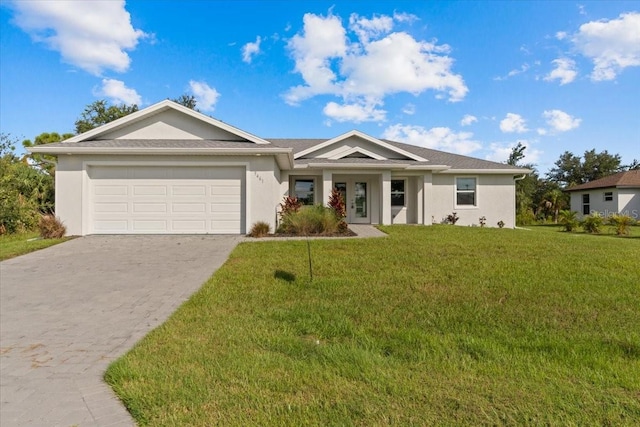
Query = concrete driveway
x=67 y=311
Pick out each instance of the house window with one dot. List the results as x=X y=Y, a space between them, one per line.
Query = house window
x=586 y=207
x=608 y=196
x=397 y=192
x=465 y=191
x=303 y=189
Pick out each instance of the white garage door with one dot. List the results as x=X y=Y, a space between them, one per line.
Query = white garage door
x=166 y=200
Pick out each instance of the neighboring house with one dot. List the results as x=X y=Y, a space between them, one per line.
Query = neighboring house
x=614 y=194
x=169 y=169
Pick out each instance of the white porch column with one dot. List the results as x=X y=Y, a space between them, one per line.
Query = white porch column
x=386 y=198
x=427 y=198
x=327 y=186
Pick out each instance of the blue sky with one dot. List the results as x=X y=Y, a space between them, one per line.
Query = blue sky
x=466 y=77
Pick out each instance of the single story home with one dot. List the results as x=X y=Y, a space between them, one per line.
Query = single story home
x=614 y=194
x=168 y=169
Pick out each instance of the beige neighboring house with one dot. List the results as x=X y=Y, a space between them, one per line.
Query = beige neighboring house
x=168 y=169
x=614 y=194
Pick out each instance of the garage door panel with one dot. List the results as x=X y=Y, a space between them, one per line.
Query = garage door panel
x=192 y=226
x=111 y=190
x=149 y=190
x=148 y=225
x=188 y=207
x=161 y=200
x=112 y=226
x=111 y=207
x=149 y=207
x=185 y=190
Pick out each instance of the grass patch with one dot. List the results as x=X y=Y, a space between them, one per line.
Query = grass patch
x=433 y=325
x=13 y=245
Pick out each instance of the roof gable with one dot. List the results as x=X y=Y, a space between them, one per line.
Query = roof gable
x=357 y=142
x=167 y=120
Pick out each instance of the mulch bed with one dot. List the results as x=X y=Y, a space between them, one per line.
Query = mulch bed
x=347 y=233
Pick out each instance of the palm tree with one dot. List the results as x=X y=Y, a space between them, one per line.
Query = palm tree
x=568 y=219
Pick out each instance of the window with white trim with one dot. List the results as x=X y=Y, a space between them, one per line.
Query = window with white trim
x=304 y=190
x=397 y=192
x=466 y=192
x=608 y=196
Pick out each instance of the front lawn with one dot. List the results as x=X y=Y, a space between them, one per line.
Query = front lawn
x=13 y=245
x=437 y=325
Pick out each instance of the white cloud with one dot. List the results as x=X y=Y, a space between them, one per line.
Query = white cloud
x=206 y=97
x=92 y=35
x=438 y=138
x=523 y=68
x=250 y=50
x=118 y=93
x=366 y=28
x=355 y=113
x=565 y=71
x=409 y=109
x=612 y=45
x=559 y=121
x=561 y=35
x=364 y=72
x=468 y=119
x=513 y=123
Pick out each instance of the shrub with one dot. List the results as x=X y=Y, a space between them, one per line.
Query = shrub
x=17 y=212
x=621 y=224
x=289 y=204
x=337 y=204
x=309 y=220
x=525 y=218
x=452 y=219
x=483 y=221
x=51 y=227
x=259 y=229
x=568 y=220
x=592 y=223
x=501 y=223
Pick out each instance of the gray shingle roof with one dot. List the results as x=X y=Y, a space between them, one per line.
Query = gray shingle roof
x=435 y=157
x=629 y=179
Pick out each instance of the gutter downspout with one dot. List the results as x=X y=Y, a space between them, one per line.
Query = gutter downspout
x=518 y=178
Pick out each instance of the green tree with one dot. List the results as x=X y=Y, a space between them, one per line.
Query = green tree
x=188 y=101
x=100 y=112
x=525 y=187
x=573 y=170
x=24 y=190
x=45 y=162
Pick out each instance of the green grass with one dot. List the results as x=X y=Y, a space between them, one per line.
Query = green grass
x=433 y=325
x=13 y=245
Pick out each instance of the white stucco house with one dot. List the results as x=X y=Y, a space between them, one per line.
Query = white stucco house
x=167 y=169
x=614 y=194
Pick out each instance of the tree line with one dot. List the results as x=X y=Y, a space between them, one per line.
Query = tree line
x=542 y=198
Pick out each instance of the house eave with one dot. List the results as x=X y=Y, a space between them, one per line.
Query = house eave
x=488 y=171
x=284 y=155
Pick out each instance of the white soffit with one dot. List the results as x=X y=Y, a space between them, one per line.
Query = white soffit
x=348 y=151
x=366 y=138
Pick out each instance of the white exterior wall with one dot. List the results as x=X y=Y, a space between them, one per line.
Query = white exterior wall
x=629 y=202
x=72 y=184
x=495 y=200
x=626 y=201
